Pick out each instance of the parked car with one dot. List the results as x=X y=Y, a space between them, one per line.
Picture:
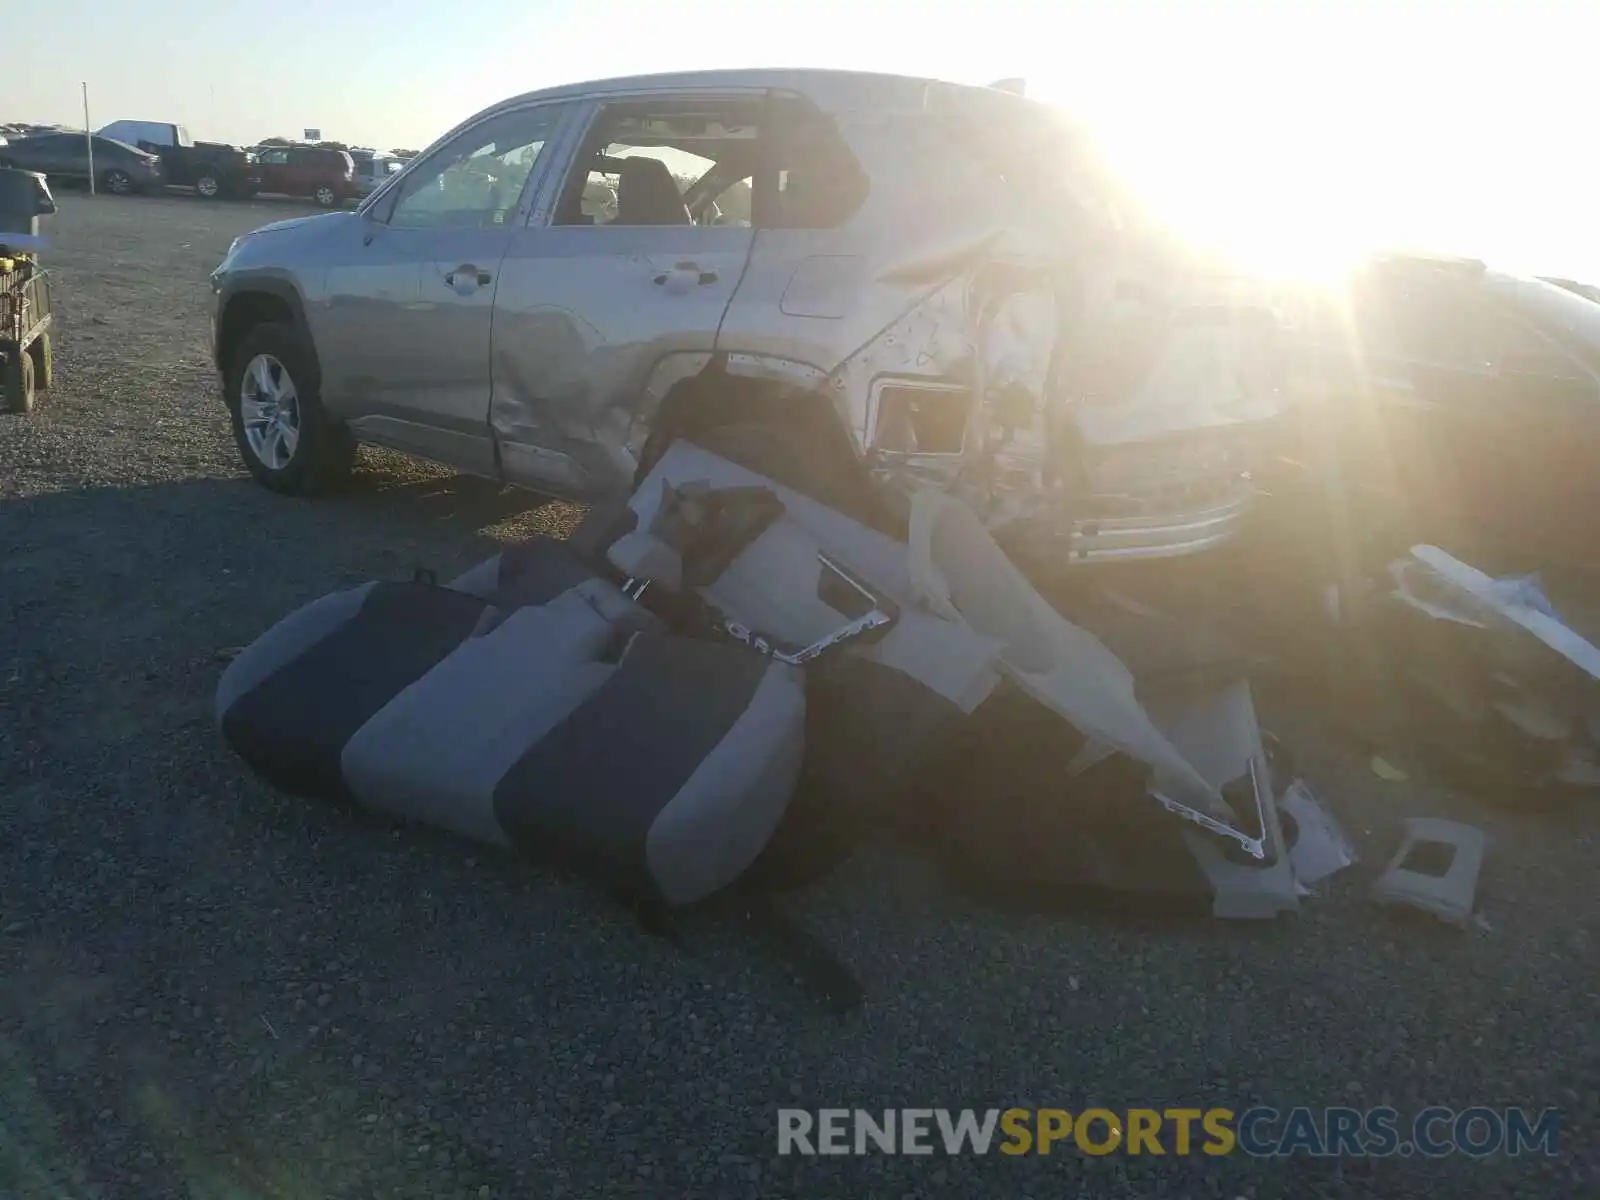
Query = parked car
x=119 y=168
x=211 y=168
x=935 y=264
x=1461 y=406
x=326 y=176
x=1587 y=290
x=373 y=168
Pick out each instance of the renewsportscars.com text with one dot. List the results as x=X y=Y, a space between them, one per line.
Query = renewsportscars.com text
x=1257 y=1132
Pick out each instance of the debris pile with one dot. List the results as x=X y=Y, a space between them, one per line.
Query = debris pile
x=725 y=684
x=1511 y=689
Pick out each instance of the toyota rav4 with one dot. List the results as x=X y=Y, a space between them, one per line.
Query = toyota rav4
x=853 y=283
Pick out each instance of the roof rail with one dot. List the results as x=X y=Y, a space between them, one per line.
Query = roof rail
x=1016 y=86
x=1452 y=263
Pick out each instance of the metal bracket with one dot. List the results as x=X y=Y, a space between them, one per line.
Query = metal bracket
x=882 y=615
x=1254 y=846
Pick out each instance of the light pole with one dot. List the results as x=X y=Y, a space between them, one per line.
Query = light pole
x=88 y=137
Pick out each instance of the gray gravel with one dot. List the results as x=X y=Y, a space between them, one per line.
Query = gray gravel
x=207 y=989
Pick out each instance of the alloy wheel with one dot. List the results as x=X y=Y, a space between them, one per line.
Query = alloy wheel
x=269 y=410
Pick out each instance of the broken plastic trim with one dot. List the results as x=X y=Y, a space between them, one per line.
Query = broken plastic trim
x=1254 y=846
x=880 y=616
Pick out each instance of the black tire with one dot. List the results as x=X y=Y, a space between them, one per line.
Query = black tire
x=44 y=366
x=117 y=182
x=325 y=450
x=325 y=196
x=17 y=392
x=208 y=184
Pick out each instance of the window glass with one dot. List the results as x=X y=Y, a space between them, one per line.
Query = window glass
x=477 y=180
x=1447 y=324
x=820 y=185
x=1569 y=316
x=275 y=157
x=679 y=164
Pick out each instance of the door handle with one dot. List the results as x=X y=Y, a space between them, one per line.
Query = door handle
x=467 y=271
x=704 y=277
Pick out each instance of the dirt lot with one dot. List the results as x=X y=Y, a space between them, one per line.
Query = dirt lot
x=209 y=990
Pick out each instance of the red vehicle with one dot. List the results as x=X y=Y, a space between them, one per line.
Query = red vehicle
x=326 y=176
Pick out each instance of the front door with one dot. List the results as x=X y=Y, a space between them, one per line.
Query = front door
x=271 y=172
x=617 y=286
x=410 y=300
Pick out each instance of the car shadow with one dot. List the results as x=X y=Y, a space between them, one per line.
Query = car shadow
x=215 y=561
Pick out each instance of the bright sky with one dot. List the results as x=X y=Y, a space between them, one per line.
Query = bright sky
x=1289 y=132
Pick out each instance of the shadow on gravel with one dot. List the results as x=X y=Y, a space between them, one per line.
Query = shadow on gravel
x=117 y=604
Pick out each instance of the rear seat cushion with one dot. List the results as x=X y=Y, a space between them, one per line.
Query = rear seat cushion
x=435 y=751
x=671 y=775
x=290 y=701
x=564 y=725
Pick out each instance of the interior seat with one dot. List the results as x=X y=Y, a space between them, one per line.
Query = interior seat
x=648 y=195
x=534 y=706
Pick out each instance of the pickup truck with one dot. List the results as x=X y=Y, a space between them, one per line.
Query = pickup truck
x=211 y=168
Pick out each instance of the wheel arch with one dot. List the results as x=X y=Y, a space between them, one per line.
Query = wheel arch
x=700 y=391
x=260 y=301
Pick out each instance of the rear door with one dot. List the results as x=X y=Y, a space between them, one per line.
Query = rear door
x=612 y=286
x=410 y=300
x=60 y=156
x=302 y=175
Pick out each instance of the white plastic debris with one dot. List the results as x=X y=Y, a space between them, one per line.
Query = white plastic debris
x=1474 y=590
x=1448 y=896
x=1321 y=847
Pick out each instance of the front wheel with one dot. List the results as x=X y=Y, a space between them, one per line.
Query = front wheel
x=325 y=196
x=286 y=438
x=118 y=183
x=17 y=382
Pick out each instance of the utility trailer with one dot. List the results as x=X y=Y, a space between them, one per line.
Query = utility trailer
x=25 y=312
x=25 y=366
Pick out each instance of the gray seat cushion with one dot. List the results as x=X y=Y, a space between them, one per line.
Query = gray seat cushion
x=547 y=713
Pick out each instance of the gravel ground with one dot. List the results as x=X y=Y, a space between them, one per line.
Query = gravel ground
x=208 y=990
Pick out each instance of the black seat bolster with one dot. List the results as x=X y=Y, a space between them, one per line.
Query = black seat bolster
x=295 y=697
x=669 y=778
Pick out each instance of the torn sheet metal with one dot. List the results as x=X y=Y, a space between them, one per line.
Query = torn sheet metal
x=1217 y=731
x=975 y=609
x=1448 y=896
x=959 y=572
x=1492 y=655
x=775 y=583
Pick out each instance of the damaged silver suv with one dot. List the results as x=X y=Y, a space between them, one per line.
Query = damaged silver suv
x=852 y=283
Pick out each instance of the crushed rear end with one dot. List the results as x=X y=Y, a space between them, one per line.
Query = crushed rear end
x=1125 y=396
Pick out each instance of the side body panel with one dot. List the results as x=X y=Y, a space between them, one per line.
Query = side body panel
x=586 y=317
